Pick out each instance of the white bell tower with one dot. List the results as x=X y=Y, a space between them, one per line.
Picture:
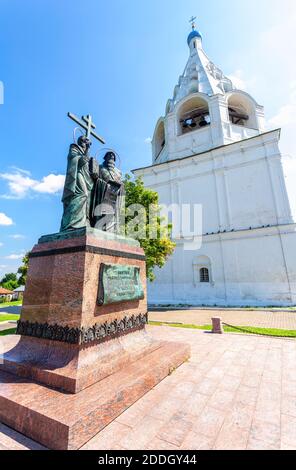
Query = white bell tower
x=206 y=110
x=211 y=148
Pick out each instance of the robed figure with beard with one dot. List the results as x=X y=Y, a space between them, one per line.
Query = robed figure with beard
x=108 y=193
x=82 y=172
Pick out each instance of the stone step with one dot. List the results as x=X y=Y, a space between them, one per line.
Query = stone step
x=63 y=421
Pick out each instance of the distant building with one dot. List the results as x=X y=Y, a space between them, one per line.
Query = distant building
x=5 y=295
x=18 y=293
x=211 y=148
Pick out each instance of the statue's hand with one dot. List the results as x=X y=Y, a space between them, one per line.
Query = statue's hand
x=94 y=168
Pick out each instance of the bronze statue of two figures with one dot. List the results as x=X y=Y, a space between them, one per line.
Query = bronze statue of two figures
x=92 y=193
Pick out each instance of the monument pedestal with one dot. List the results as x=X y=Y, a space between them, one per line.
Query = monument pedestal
x=81 y=356
x=67 y=421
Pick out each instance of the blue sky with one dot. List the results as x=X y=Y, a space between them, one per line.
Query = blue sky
x=118 y=60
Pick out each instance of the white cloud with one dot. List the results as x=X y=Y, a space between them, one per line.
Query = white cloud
x=21 y=184
x=148 y=140
x=15 y=256
x=17 y=236
x=18 y=183
x=286 y=115
x=3 y=266
x=241 y=81
x=50 y=184
x=5 y=220
x=286 y=119
x=276 y=42
x=273 y=56
x=238 y=80
x=1 y=244
x=20 y=170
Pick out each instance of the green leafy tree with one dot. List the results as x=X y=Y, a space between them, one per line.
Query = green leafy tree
x=8 y=277
x=23 y=270
x=158 y=249
x=9 y=281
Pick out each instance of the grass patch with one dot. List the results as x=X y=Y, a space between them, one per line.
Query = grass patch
x=15 y=303
x=8 y=317
x=273 y=309
x=11 y=331
x=180 y=325
x=252 y=330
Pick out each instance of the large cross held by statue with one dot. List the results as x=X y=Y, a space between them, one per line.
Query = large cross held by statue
x=86 y=123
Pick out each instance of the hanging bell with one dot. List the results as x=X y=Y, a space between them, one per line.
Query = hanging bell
x=203 y=122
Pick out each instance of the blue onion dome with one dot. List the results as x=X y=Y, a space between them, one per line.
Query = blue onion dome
x=192 y=35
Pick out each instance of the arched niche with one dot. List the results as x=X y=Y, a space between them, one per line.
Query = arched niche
x=242 y=110
x=194 y=114
x=158 y=139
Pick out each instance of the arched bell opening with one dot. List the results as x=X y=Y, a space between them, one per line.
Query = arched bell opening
x=194 y=114
x=159 y=139
x=242 y=111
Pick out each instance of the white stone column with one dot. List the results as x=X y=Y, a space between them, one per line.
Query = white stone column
x=219 y=117
x=277 y=180
x=222 y=195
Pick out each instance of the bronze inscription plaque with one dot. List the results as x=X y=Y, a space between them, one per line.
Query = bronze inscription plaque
x=119 y=283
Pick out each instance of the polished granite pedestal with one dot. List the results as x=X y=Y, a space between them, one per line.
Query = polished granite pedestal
x=75 y=365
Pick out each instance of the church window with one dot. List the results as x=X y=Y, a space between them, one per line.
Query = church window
x=204 y=275
x=202 y=271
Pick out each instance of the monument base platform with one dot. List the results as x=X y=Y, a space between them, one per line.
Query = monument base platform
x=64 y=421
x=71 y=368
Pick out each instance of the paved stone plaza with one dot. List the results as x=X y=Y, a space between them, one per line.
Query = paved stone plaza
x=236 y=392
x=6 y=325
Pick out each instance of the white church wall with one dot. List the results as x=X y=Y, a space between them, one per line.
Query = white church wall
x=250 y=195
x=289 y=169
x=261 y=271
x=243 y=272
x=193 y=142
x=236 y=133
x=288 y=245
x=238 y=187
x=197 y=192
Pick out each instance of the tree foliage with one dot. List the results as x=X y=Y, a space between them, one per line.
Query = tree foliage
x=12 y=281
x=9 y=281
x=157 y=250
x=23 y=270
